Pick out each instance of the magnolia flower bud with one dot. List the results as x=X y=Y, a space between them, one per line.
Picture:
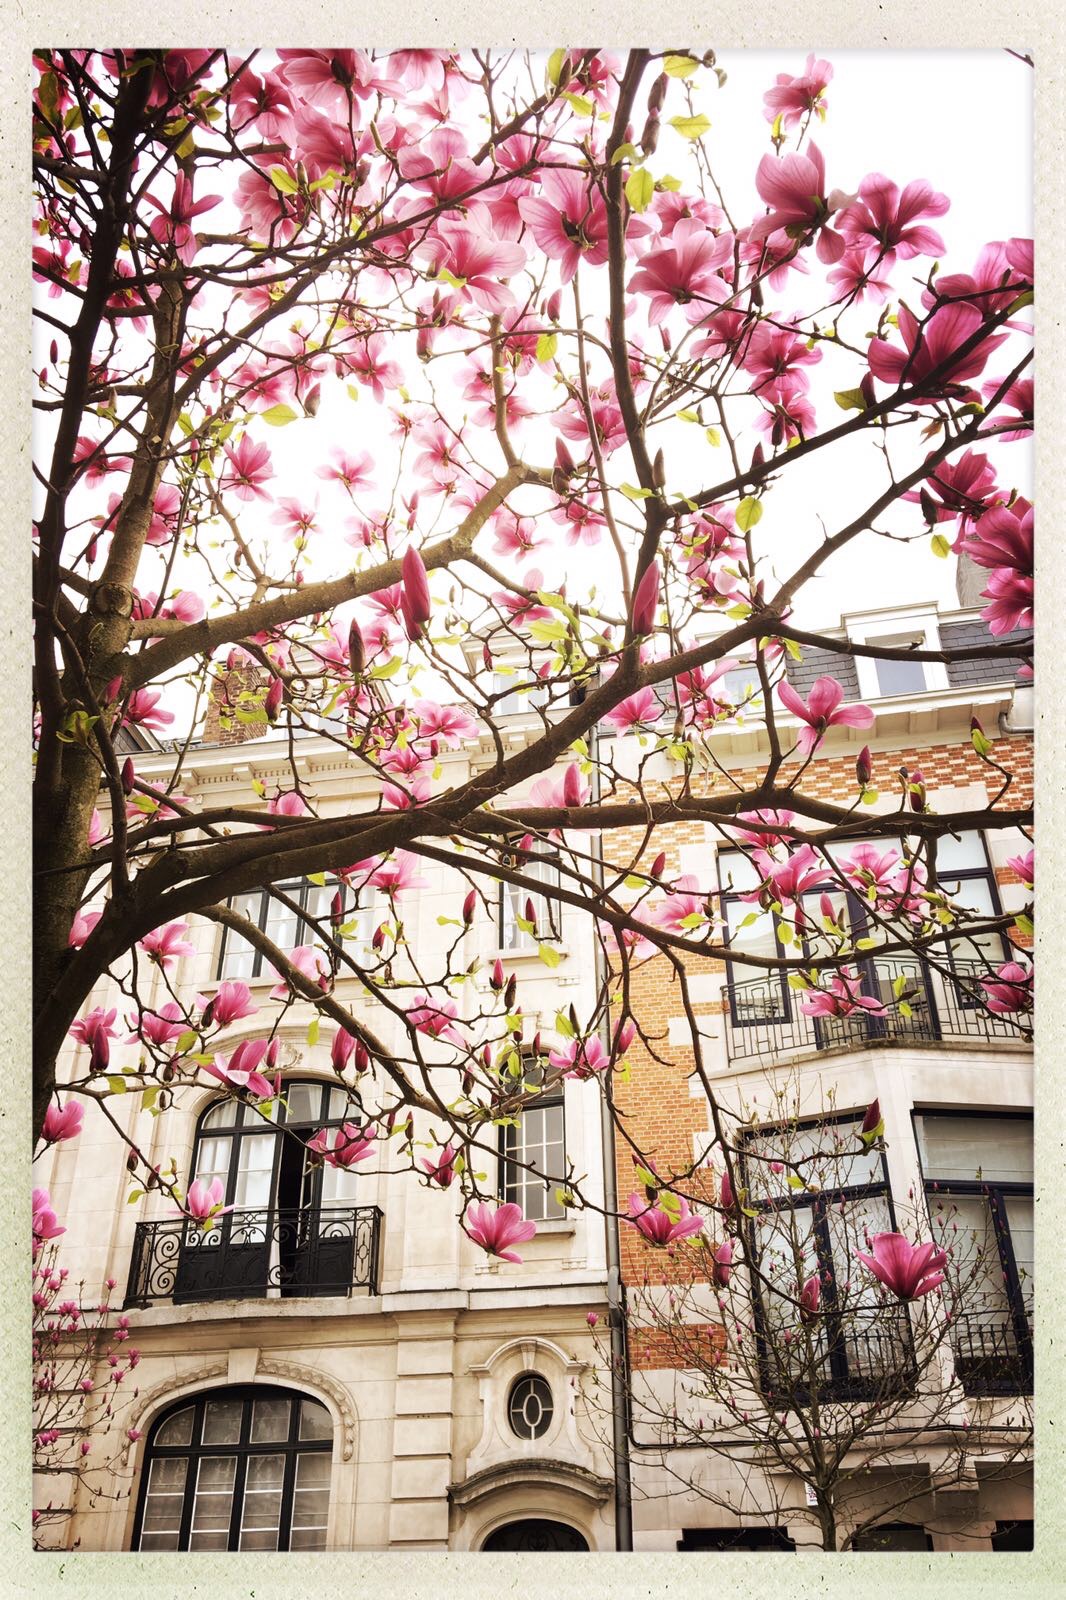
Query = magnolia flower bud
x=270 y=1059
x=553 y=305
x=563 y=459
x=625 y=1036
x=272 y=703
x=53 y=352
x=312 y=400
x=469 y=907
x=649 y=137
x=572 y=786
x=356 y=650
x=592 y=1319
x=336 y=909
x=415 y=586
x=378 y=941
x=928 y=505
x=362 y=1057
x=496 y=977
x=864 y=766
x=531 y=913
x=511 y=990
x=113 y=690
x=127 y=776
x=486 y=656
x=866 y=389
x=658 y=864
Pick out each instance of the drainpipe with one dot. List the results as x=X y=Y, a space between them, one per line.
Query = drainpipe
x=616 y=1301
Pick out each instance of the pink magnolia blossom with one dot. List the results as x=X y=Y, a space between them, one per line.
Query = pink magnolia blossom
x=770 y=352
x=80 y=929
x=164 y=945
x=308 y=959
x=232 y=1002
x=248 y=467
x=442 y=1170
x=884 y=219
x=928 y=349
x=96 y=1024
x=161 y=1027
x=870 y=868
x=568 y=220
x=841 y=999
x=351 y=469
x=172 y=225
x=514 y=535
x=62 y=1122
x=662 y=1227
x=810 y=1297
x=1023 y=867
x=640 y=710
x=369 y=362
x=204 y=1201
x=332 y=79
x=686 y=273
x=398 y=875
x=908 y=1270
x=794 y=187
x=143 y=710
x=722 y=1264
x=435 y=1018
x=581 y=1058
x=821 y=711
x=478 y=261
x=450 y=724
x=646 y=601
x=1003 y=542
x=1011 y=989
x=342 y=1147
x=790 y=879
x=685 y=899
x=795 y=98
x=496 y=1231
x=242 y=1069
x=961 y=488
x=993 y=285
x=45 y=1225
x=290 y=804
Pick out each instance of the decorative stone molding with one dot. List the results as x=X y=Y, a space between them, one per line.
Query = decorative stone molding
x=173 y=1388
x=543 y=1470
x=498 y=1447
x=311 y=1378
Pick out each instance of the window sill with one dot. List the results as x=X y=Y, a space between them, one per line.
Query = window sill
x=531 y=953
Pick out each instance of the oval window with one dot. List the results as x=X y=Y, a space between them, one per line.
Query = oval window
x=530 y=1407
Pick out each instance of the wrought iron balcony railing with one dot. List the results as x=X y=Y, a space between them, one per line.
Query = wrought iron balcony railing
x=994 y=1352
x=765 y=1019
x=845 y=1357
x=257 y=1255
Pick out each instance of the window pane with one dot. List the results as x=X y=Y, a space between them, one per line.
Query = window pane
x=304 y=1101
x=238 y=957
x=178 y=1430
x=213 y=1160
x=900 y=677
x=317 y=899
x=225 y=1115
x=270 y=1421
x=964 y=854
x=1019 y=1210
x=340 y=1187
x=737 y=872
x=899 y=1537
x=830 y=1157
x=539 y=1141
x=1000 y=1151
x=222 y=1421
x=213 y=1506
x=315 y=1423
x=161 y=1524
x=977 y=1259
x=282 y=926
x=255 y=1164
x=261 y=1512
x=974 y=895
x=310 y=1508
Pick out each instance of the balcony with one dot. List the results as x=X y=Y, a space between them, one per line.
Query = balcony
x=993 y=1353
x=261 y=1254
x=860 y=1356
x=765 y=1021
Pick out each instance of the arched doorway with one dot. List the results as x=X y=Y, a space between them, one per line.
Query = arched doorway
x=535 y=1533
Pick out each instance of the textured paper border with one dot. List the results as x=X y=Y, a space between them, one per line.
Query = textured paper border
x=828 y=26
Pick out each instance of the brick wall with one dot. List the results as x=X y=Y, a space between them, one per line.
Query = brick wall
x=220 y=726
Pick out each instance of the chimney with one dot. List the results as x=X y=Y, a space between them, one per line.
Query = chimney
x=221 y=725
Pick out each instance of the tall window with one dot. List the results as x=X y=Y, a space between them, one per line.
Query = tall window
x=239 y=959
x=855 y=1346
x=295 y=1223
x=534 y=1143
x=978 y=1174
x=237 y=1469
x=542 y=866
x=518 y=693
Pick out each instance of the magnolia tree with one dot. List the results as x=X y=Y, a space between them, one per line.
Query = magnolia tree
x=806 y=1341
x=375 y=389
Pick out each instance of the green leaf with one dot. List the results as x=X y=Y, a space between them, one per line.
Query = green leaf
x=869 y=797
x=116 y=1083
x=714 y=438
x=317 y=878
x=695 y=919
x=671 y=185
x=796 y=980
x=283 y=181
x=564 y=1198
x=794 y=1181
x=312 y=1030
x=387 y=669
x=1024 y=299
x=749 y=512
x=546 y=346
x=637 y=494
x=625 y=152
x=133 y=1196
x=279 y=415
x=556 y=62
x=549 y=955
x=866 y=944
x=850 y=399
x=564 y=1026
x=778 y=127
x=633 y=882
x=688 y=416
x=680 y=66
x=545 y=631
x=579 y=103
x=640 y=187
x=904 y=1009
x=1024 y=924
x=691 y=127
x=939 y=545
x=981 y=742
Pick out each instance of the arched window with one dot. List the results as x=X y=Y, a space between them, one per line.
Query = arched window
x=237 y=1469
x=294 y=1226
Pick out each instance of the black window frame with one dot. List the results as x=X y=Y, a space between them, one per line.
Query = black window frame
x=514 y=1179
x=841 y=1384
x=863 y=1542
x=544 y=901
x=194 y=1453
x=1012 y=1376
x=540 y=1386
x=298 y=889
x=771 y=1539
